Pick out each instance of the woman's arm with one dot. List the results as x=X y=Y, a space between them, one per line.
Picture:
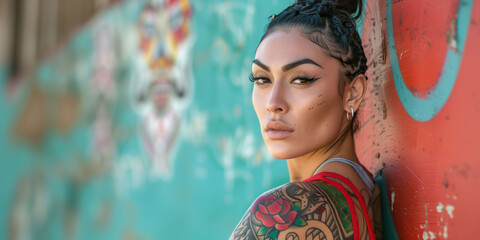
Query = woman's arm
x=299 y=210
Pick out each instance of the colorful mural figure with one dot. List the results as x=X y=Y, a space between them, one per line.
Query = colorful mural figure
x=163 y=80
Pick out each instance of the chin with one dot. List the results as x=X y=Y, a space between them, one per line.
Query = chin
x=281 y=152
x=289 y=150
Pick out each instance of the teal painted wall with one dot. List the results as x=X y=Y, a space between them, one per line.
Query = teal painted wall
x=119 y=135
x=74 y=165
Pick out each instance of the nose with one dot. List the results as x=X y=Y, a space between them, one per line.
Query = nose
x=277 y=100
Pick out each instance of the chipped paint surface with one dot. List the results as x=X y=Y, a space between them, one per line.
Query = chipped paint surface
x=440 y=207
x=450 y=209
x=419 y=121
x=438 y=229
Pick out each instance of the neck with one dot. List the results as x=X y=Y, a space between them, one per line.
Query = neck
x=303 y=167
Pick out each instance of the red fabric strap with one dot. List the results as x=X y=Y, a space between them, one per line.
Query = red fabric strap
x=324 y=176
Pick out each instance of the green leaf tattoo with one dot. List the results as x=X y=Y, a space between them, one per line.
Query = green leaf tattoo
x=297 y=206
x=262 y=230
x=273 y=235
x=300 y=222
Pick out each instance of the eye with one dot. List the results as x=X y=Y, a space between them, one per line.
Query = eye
x=258 y=80
x=303 y=80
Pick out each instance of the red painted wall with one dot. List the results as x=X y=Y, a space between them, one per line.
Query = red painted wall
x=425 y=134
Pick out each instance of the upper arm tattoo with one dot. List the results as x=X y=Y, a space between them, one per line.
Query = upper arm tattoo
x=296 y=211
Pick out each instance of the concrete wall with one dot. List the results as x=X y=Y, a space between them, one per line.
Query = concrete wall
x=141 y=125
x=420 y=121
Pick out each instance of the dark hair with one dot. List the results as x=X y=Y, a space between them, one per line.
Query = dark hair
x=331 y=25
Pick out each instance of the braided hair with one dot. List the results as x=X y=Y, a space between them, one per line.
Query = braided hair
x=331 y=25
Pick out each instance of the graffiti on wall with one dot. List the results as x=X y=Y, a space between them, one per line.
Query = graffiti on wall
x=113 y=120
x=163 y=81
x=424 y=99
x=418 y=121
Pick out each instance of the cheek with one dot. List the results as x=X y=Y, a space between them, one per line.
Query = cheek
x=320 y=119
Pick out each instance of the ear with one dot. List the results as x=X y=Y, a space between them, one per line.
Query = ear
x=354 y=93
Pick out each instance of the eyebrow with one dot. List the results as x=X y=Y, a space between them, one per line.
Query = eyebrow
x=260 y=64
x=290 y=65
x=300 y=62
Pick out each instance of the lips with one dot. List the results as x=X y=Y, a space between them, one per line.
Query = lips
x=277 y=130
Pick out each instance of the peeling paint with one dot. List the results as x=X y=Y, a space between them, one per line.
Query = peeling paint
x=440 y=207
x=401 y=54
x=450 y=209
x=452 y=34
x=441 y=224
x=445 y=231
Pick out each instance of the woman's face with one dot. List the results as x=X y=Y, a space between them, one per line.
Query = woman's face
x=296 y=95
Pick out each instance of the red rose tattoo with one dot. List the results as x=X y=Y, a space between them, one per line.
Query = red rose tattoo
x=274 y=212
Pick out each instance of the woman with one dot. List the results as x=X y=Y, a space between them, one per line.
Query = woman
x=309 y=80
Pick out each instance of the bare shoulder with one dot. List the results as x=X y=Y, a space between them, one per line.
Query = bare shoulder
x=299 y=210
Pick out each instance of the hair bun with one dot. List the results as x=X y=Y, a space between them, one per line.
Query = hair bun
x=325 y=7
